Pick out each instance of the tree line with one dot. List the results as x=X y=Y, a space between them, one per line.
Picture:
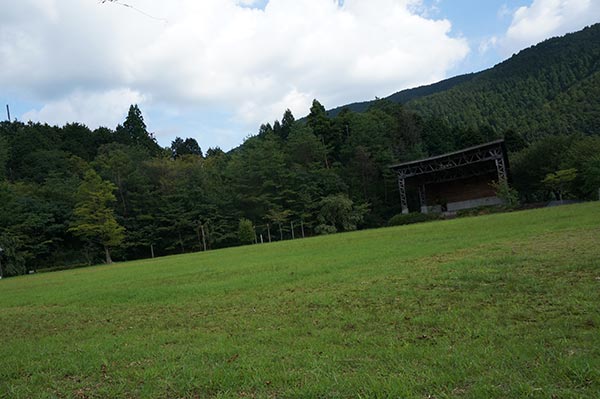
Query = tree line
x=73 y=196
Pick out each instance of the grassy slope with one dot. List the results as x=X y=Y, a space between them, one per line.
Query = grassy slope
x=495 y=306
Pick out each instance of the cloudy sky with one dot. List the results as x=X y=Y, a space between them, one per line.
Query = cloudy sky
x=216 y=69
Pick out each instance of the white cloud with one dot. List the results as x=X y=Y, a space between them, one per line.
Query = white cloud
x=504 y=11
x=252 y=61
x=547 y=18
x=488 y=43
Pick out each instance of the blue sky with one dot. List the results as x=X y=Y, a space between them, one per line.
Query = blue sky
x=216 y=69
x=478 y=21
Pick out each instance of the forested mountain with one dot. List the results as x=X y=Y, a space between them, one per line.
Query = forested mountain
x=73 y=196
x=550 y=88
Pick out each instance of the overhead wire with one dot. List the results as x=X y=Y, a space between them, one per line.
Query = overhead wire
x=134 y=8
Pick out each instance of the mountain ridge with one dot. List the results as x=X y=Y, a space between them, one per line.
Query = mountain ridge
x=522 y=93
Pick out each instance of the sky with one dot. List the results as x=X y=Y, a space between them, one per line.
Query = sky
x=215 y=70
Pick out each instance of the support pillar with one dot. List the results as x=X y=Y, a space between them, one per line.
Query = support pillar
x=501 y=169
x=402 y=189
x=423 y=199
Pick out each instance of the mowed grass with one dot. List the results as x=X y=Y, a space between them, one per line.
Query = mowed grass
x=500 y=306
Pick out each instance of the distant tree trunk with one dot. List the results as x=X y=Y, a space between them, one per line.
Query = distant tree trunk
x=203 y=237
x=123 y=203
x=325 y=147
x=152 y=250
x=121 y=195
x=108 y=258
x=88 y=256
x=364 y=182
x=208 y=245
x=280 y=232
x=269 y=230
x=181 y=242
x=200 y=234
x=385 y=191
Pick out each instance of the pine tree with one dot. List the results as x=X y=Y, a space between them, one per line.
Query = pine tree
x=134 y=132
x=286 y=124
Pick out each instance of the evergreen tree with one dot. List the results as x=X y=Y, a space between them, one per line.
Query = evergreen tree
x=180 y=147
x=133 y=131
x=214 y=152
x=287 y=122
x=277 y=128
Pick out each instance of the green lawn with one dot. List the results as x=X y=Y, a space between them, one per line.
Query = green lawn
x=500 y=306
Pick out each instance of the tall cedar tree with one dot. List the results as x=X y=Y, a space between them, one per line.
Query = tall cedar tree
x=134 y=131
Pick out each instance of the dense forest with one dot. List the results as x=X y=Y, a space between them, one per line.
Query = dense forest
x=550 y=88
x=71 y=196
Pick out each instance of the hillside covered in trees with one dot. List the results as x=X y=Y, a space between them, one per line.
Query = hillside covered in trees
x=72 y=196
x=550 y=88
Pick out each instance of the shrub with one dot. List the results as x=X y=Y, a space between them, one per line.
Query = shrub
x=339 y=213
x=410 y=218
x=508 y=195
x=482 y=210
x=246 y=231
x=324 y=229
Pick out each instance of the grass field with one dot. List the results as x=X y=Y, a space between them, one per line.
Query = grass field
x=500 y=306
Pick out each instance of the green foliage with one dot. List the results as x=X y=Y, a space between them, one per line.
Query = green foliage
x=541 y=90
x=508 y=195
x=133 y=132
x=584 y=155
x=542 y=159
x=410 y=218
x=3 y=157
x=94 y=219
x=13 y=260
x=246 y=231
x=591 y=177
x=514 y=141
x=287 y=123
x=339 y=213
x=180 y=147
x=531 y=165
x=34 y=218
x=559 y=181
x=321 y=126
